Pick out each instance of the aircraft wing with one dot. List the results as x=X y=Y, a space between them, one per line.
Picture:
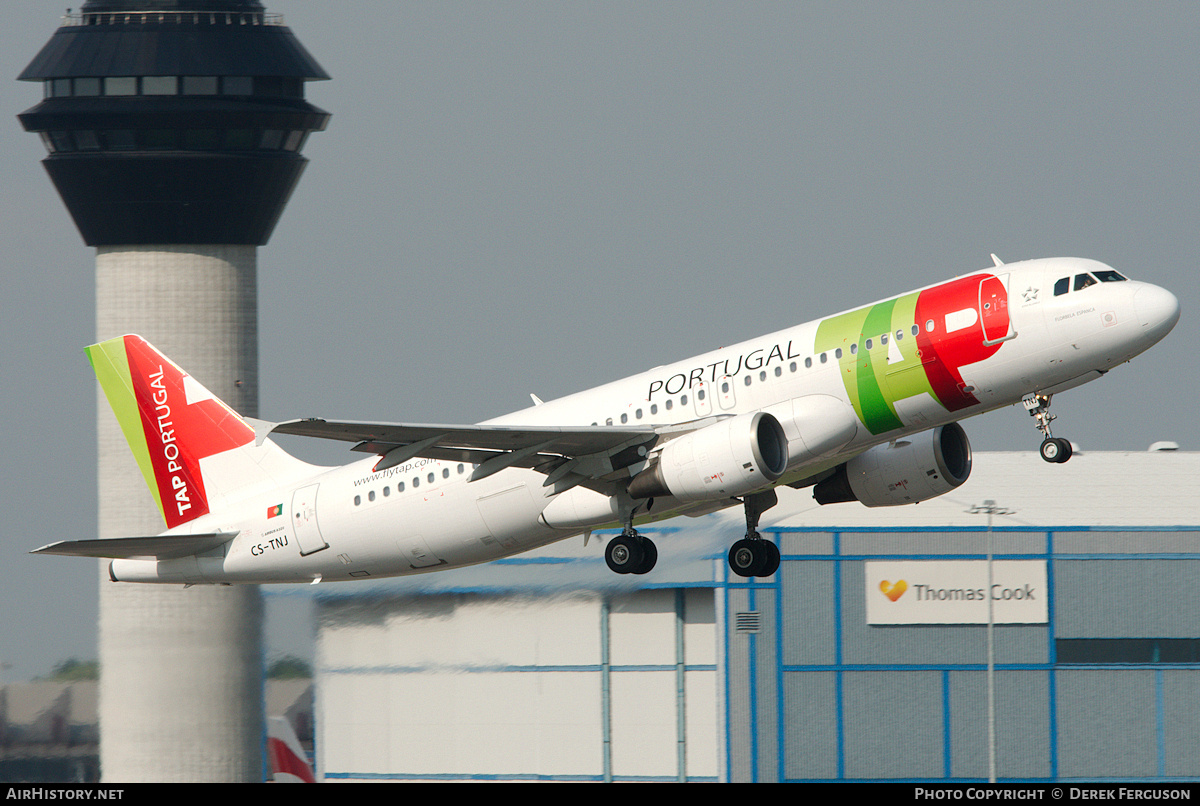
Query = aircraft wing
x=583 y=453
x=156 y=547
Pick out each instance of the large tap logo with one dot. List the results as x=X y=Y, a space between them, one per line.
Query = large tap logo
x=916 y=344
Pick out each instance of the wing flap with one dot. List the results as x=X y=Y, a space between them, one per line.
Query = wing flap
x=155 y=547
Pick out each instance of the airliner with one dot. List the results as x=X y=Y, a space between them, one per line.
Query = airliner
x=861 y=406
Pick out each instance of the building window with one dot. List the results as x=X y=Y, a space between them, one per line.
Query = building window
x=202 y=139
x=120 y=140
x=237 y=85
x=160 y=139
x=160 y=85
x=272 y=139
x=1127 y=650
x=240 y=139
x=87 y=140
x=62 y=141
x=87 y=86
x=294 y=141
x=120 y=85
x=199 y=85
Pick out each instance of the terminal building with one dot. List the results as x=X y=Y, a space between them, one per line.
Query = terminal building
x=865 y=657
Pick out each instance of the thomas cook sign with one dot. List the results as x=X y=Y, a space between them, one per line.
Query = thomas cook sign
x=956 y=592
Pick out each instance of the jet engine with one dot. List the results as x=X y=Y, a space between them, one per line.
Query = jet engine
x=729 y=458
x=906 y=471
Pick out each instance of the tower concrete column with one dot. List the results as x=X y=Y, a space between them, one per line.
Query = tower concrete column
x=181 y=683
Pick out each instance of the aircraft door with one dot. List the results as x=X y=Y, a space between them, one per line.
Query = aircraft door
x=993 y=310
x=304 y=520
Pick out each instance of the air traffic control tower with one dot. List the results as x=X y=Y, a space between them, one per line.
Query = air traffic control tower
x=174 y=130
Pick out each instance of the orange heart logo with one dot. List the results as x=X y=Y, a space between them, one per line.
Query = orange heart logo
x=891 y=591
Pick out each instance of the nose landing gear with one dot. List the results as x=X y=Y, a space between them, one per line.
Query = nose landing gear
x=1053 y=449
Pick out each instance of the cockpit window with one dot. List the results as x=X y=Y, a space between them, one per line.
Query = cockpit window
x=1062 y=286
x=1082 y=281
x=1110 y=276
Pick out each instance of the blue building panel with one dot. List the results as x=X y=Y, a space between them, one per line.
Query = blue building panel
x=909 y=702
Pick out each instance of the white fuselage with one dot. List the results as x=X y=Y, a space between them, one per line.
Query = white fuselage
x=423 y=515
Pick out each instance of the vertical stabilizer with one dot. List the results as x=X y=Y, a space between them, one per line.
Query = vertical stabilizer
x=193 y=450
x=289 y=762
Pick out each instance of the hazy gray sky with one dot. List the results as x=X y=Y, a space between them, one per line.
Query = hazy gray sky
x=519 y=197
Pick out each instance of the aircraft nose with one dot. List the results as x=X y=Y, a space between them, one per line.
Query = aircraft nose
x=1157 y=310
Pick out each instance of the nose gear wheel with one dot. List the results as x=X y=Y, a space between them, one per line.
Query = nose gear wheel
x=1053 y=449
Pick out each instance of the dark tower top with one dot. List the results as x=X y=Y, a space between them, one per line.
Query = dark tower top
x=174 y=121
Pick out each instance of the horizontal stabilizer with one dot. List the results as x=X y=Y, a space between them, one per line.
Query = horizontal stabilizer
x=157 y=547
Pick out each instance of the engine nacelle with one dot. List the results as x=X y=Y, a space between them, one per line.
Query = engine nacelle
x=906 y=471
x=729 y=458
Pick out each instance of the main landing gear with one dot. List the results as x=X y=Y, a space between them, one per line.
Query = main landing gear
x=754 y=556
x=1053 y=449
x=630 y=553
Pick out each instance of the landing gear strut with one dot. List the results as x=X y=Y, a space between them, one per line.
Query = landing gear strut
x=630 y=553
x=753 y=556
x=1053 y=449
